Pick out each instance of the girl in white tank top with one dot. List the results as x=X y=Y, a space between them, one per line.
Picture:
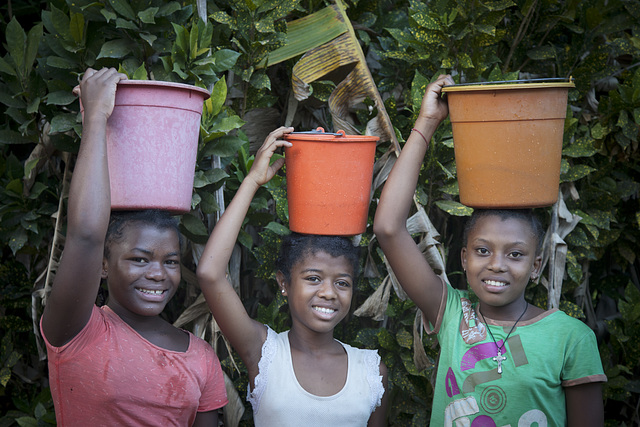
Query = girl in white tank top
x=302 y=376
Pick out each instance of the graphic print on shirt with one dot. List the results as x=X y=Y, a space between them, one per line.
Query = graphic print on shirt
x=466 y=409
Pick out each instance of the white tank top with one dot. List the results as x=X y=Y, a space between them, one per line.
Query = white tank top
x=279 y=400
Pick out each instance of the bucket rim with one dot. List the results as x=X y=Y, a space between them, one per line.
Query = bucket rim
x=511 y=84
x=319 y=135
x=161 y=83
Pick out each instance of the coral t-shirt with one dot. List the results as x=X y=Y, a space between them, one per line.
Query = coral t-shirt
x=109 y=375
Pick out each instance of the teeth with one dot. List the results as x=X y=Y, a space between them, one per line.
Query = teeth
x=494 y=283
x=150 y=291
x=324 y=310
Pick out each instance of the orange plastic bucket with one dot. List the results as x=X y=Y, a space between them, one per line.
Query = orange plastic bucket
x=152 y=144
x=329 y=179
x=508 y=142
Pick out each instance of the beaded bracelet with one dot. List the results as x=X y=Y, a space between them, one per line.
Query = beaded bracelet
x=422 y=135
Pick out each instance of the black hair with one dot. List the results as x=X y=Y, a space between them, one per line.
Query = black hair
x=295 y=247
x=119 y=220
x=525 y=215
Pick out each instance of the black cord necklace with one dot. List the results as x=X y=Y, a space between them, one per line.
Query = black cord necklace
x=500 y=358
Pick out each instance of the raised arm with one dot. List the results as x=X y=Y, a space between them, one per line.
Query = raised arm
x=78 y=277
x=245 y=334
x=410 y=267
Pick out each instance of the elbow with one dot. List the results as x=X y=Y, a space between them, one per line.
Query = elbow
x=383 y=228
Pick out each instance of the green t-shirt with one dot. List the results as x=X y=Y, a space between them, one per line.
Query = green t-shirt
x=543 y=355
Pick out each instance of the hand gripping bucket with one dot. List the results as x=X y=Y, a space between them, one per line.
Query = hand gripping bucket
x=507 y=140
x=329 y=179
x=152 y=143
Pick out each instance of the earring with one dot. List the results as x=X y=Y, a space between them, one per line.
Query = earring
x=282 y=291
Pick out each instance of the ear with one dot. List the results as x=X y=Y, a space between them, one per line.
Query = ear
x=463 y=259
x=105 y=270
x=535 y=269
x=282 y=283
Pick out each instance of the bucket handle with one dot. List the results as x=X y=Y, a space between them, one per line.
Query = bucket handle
x=320 y=130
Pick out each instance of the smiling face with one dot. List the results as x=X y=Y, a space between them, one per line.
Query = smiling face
x=319 y=291
x=500 y=257
x=142 y=270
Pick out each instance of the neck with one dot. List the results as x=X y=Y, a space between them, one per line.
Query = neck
x=509 y=313
x=311 y=342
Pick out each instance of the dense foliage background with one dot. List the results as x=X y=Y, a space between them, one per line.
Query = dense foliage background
x=225 y=46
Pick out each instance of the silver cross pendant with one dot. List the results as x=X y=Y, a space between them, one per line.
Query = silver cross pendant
x=499 y=358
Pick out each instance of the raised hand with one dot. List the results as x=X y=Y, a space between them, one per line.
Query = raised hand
x=261 y=172
x=97 y=91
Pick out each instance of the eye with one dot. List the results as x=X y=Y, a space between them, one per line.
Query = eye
x=313 y=279
x=343 y=284
x=482 y=251
x=172 y=262
x=139 y=260
x=516 y=254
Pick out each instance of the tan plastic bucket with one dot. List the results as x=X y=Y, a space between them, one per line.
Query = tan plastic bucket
x=508 y=142
x=329 y=179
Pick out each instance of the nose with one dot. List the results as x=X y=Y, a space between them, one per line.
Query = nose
x=155 y=271
x=496 y=263
x=327 y=290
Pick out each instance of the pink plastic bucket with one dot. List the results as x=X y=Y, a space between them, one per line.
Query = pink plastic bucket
x=152 y=143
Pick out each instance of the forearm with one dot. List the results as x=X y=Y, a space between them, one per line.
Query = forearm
x=89 y=196
x=213 y=263
x=397 y=195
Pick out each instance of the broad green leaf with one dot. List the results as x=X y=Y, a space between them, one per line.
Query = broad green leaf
x=498 y=5
x=63 y=122
x=228 y=124
x=115 y=49
x=418 y=89
x=278 y=228
x=27 y=422
x=126 y=24
x=76 y=27
x=581 y=147
x=123 y=8
x=61 y=97
x=224 y=147
x=168 y=8
x=225 y=59
x=629 y=128
x=210 y=176
x=108 y=15
x=6 y=68
x=148 y=15
x=140 y=73
x=33 y=106
x=218 y=97
x=465 y=60
x=599 y=132
x=18 y=240
x=58 y=62
x=260 y=81
x=16 y=41
x=11 y=137
x=33 y=41
x=149 y=38
x=61 y=22
x=194 y=225
x=576 y=172
x=425 y=21
x=454 y=208
x=486 y=29
x=208 y=202
x=224 y=18
x=543 y=52
x=404 y=338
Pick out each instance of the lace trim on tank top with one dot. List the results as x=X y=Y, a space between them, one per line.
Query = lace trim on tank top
x=260 y=381
x=372 y=365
